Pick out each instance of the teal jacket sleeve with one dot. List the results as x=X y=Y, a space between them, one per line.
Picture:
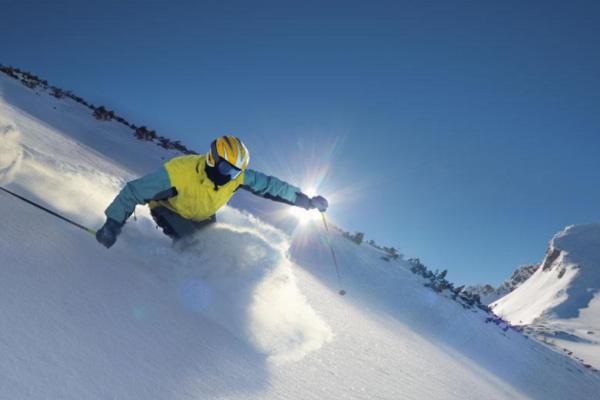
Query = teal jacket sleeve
x=269 y=187
x=154 y=186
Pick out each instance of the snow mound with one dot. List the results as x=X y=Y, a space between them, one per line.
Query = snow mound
x=579 y=247
x=560 y=302
x=11 y=153
x=247 y=286
x=566 y=283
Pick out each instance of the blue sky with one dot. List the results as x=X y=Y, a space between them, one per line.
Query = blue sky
x=461 y=132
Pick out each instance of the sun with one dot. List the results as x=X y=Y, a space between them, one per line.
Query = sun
x=304 y=216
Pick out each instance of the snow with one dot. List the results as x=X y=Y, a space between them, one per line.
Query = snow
x=10 y=151
x=247 y=287
x=245 y=311
x=560 y=301
x=544 y=291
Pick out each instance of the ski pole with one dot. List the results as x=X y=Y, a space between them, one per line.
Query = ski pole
x=88 y=230
x=330 y=245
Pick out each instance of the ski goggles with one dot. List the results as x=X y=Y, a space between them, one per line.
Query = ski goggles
x=227 y=169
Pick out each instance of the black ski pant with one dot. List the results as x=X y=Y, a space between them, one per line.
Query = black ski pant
x=175 y=226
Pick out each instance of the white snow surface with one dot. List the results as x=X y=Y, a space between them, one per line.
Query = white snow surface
x=10 y=151
x=561 y=301
x=246 y=312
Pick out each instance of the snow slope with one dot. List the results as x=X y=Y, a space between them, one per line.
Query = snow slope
x=249 y=311
x=561 y=302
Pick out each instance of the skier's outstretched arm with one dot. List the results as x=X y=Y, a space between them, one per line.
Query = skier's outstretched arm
x=153 y=186
x=274 y=188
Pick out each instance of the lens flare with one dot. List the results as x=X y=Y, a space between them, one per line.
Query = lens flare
x=304 y=216
x=308 y=164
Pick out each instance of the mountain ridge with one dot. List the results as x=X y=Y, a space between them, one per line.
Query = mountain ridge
x=489 y=294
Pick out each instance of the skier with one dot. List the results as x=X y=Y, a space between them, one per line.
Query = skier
x=187 y=191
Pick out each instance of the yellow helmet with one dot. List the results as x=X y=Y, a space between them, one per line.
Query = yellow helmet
x=230 y=149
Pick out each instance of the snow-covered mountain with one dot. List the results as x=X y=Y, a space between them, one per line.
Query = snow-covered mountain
x=560 y=303
x=251 y=311
x=489 y=294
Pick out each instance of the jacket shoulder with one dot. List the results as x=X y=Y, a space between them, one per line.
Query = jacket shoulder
x=187 y=162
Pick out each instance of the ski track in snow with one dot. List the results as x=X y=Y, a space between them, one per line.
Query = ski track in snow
x=244 y=311
x=237 y=274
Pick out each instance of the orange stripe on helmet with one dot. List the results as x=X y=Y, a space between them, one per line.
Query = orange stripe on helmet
x=231 y=144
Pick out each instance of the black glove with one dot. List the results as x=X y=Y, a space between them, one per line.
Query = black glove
x=318 y=202
x=107 y=235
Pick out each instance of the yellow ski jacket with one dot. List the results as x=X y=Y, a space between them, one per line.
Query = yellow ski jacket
x=183 y=186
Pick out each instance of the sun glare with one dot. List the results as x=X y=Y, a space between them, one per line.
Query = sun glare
x=303 y=216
